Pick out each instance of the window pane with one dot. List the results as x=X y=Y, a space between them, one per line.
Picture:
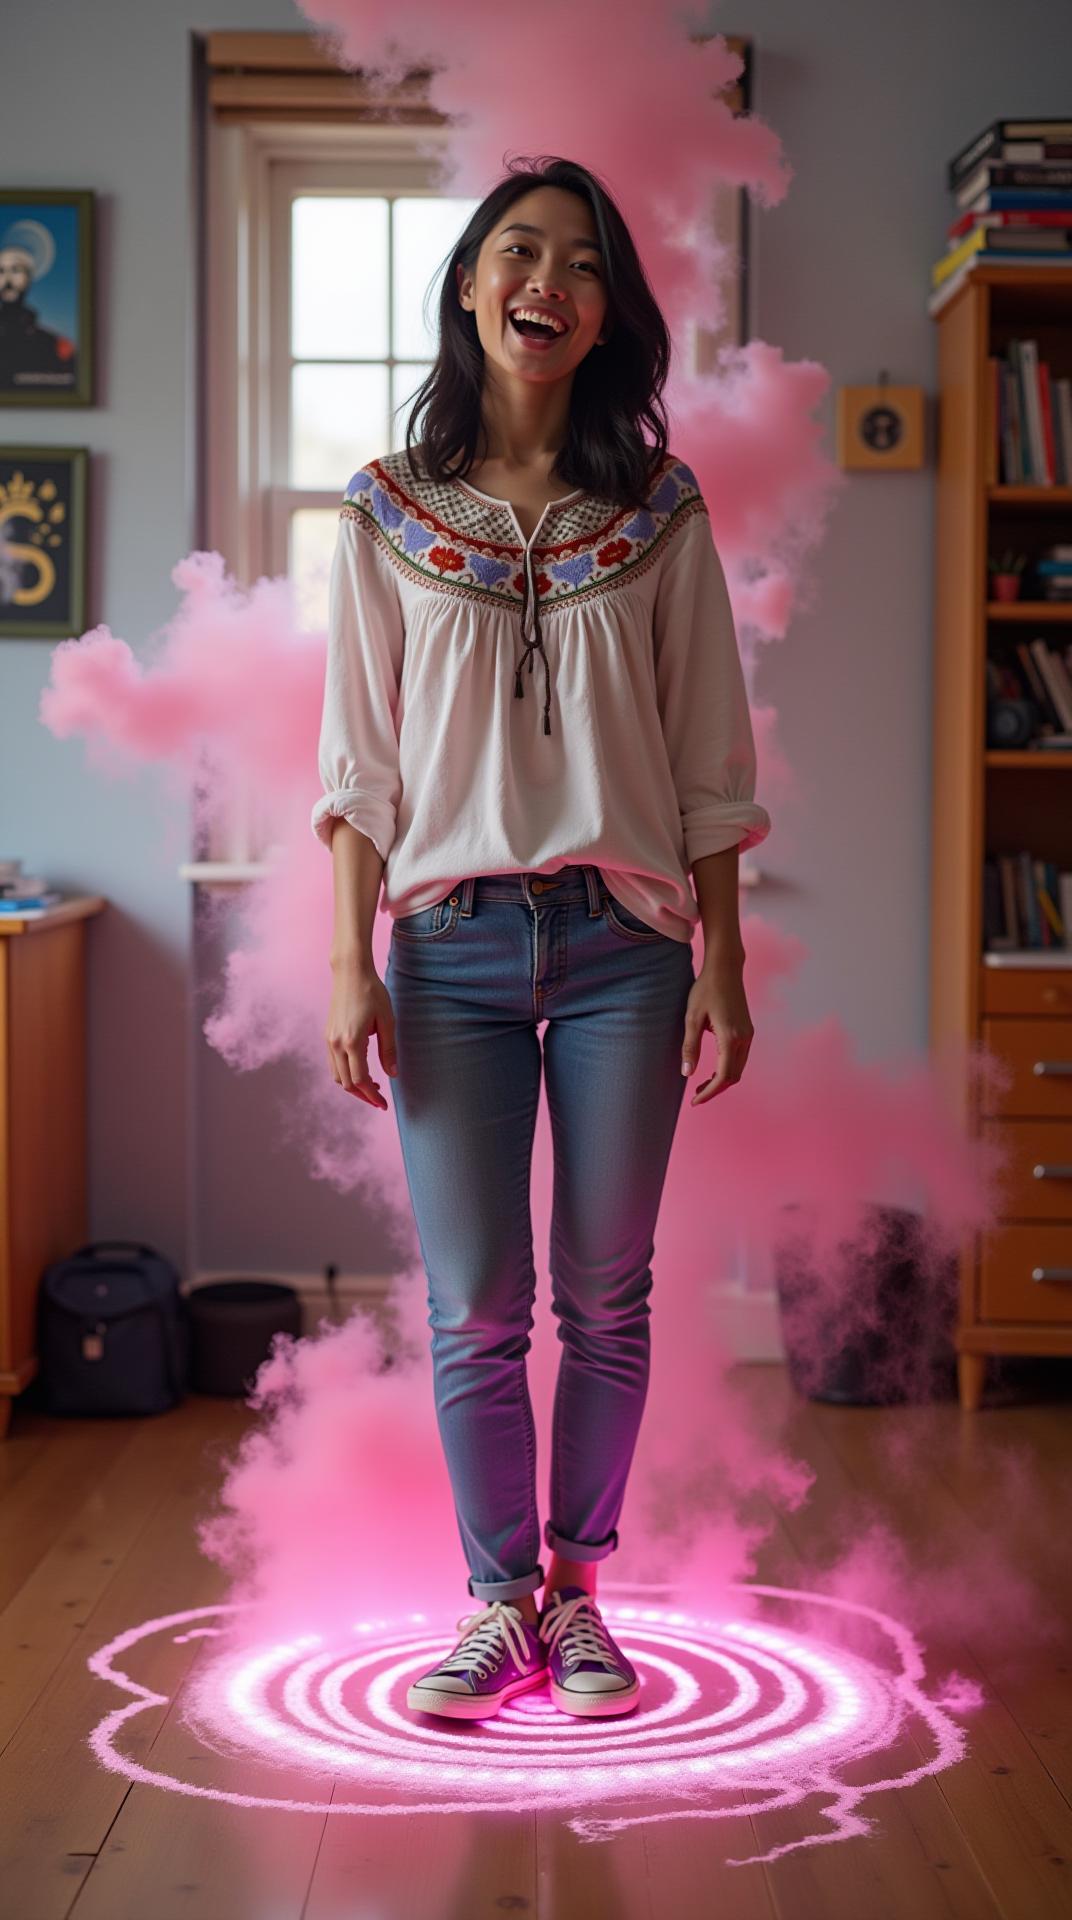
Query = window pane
x=425 y=229
x=313 y=532
x=405 y=381
x=339 y=276
x=338 y=418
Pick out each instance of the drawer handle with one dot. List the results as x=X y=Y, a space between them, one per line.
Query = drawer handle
x=1057 y=1171
x=1042 y=1067
x=1051 y=1273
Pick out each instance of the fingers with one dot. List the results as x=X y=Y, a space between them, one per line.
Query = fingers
x=350 y=1069
x=364 y=1085
x=690 y=1046
x=349 y=1030
x=732 y=1055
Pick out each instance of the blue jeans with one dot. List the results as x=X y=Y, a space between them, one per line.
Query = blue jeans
x=470 y=978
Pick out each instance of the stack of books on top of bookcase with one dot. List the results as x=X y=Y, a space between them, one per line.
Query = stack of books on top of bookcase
x=1012 y=188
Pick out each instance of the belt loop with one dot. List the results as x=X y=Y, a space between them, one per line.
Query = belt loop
x=591 y=881
x=468 y=885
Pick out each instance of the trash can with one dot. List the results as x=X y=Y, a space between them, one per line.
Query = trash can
x=232 y=1325
x=875 y=1329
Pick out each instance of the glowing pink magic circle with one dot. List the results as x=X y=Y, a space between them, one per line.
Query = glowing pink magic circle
x=729 y=1708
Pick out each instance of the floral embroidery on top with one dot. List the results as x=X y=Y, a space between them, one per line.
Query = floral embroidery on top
x=447 y=559
x=448 y=538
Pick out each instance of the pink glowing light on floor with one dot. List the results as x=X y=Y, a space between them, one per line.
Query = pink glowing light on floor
x=730 y=1708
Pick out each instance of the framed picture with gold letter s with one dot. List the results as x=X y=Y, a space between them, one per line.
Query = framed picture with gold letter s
x=43 y=542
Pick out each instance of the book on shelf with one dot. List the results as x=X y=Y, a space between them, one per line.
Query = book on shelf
x=1043 y=188
x=1001 y=140
x=1038 y=674
x=1027 y=904
x=1029 y=428
x=21 y=892
x=30 y=902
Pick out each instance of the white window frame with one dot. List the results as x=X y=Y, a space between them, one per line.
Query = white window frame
x=254 y=172
x=254 y=169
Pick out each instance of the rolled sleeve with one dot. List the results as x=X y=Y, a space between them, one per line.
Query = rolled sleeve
x=358 y=752
x=703 y=702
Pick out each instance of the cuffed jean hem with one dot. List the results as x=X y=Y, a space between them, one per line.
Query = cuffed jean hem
x=506 y=1589
x=578 y=1549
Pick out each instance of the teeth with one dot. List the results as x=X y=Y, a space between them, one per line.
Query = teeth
x=545 y=319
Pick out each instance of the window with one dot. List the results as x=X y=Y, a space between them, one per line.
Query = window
x=357 y=333
x=323 y=229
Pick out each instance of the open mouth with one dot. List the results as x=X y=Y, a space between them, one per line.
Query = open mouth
x=540 y=331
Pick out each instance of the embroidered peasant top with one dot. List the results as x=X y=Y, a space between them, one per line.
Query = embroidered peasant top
x=438 y=741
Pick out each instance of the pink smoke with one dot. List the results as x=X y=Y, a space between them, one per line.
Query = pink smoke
x=616 y=84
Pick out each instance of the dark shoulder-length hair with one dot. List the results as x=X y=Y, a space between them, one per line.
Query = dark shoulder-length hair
x=617 y=437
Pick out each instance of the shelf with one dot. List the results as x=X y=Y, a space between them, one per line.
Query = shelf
x=1023 y=757
x=223 y=873
x=73 y=906
x=1029 y=496
x=1029 y=957
x=1043 y=610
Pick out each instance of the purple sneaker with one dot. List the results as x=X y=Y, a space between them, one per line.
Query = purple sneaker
x=587 y=1672
x=499 y=1654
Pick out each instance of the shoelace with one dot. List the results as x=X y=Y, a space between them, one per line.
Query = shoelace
x=581 y=1631
x=484 y=1632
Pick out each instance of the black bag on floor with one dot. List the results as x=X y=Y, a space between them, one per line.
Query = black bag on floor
x=113 y=1331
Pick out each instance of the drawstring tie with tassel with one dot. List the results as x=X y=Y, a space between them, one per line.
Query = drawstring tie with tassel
x=531 y=647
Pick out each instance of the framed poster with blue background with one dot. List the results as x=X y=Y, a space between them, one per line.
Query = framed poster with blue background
x=43 y=542
x=46 y=297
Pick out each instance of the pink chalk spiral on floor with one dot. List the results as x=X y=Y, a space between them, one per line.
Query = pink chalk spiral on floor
x=736 y=1717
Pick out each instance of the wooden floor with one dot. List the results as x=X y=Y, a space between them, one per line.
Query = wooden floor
x=97 y=1535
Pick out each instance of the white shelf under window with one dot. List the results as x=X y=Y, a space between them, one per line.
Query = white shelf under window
x=224 y=873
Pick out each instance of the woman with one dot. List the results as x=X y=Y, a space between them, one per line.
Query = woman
x=535 y=855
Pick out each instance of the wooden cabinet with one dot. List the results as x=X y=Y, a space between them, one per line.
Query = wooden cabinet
x=1016 y=1278
x=42 y=1116
x=1025 y=1263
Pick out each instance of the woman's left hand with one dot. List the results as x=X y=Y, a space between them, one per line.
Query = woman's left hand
x=717 y=1001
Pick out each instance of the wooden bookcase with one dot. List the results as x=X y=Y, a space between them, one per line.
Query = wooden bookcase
x=1015 y=1279
x=43 y=1055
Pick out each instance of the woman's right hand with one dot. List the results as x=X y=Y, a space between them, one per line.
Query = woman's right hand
x=360 y=1006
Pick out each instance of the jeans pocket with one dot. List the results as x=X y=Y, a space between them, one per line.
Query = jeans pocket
x=429 y=923
x=627 y=924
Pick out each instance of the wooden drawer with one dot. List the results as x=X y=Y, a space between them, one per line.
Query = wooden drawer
x=1010 y=1257
x=1039 y=1054
x=1036 y=1184
x=1045 y=990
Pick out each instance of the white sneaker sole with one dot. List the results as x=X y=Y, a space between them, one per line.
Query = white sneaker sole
x=471 y=1706
x=595 y=1705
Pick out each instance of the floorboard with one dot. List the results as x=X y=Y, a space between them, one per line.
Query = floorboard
x=98 y=1534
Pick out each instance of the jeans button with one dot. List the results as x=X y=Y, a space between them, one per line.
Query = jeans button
x=537 y=886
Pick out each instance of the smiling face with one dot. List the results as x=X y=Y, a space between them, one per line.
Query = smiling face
x=543 y=255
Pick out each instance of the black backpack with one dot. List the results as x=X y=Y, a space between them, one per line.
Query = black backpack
x=113 y=1331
